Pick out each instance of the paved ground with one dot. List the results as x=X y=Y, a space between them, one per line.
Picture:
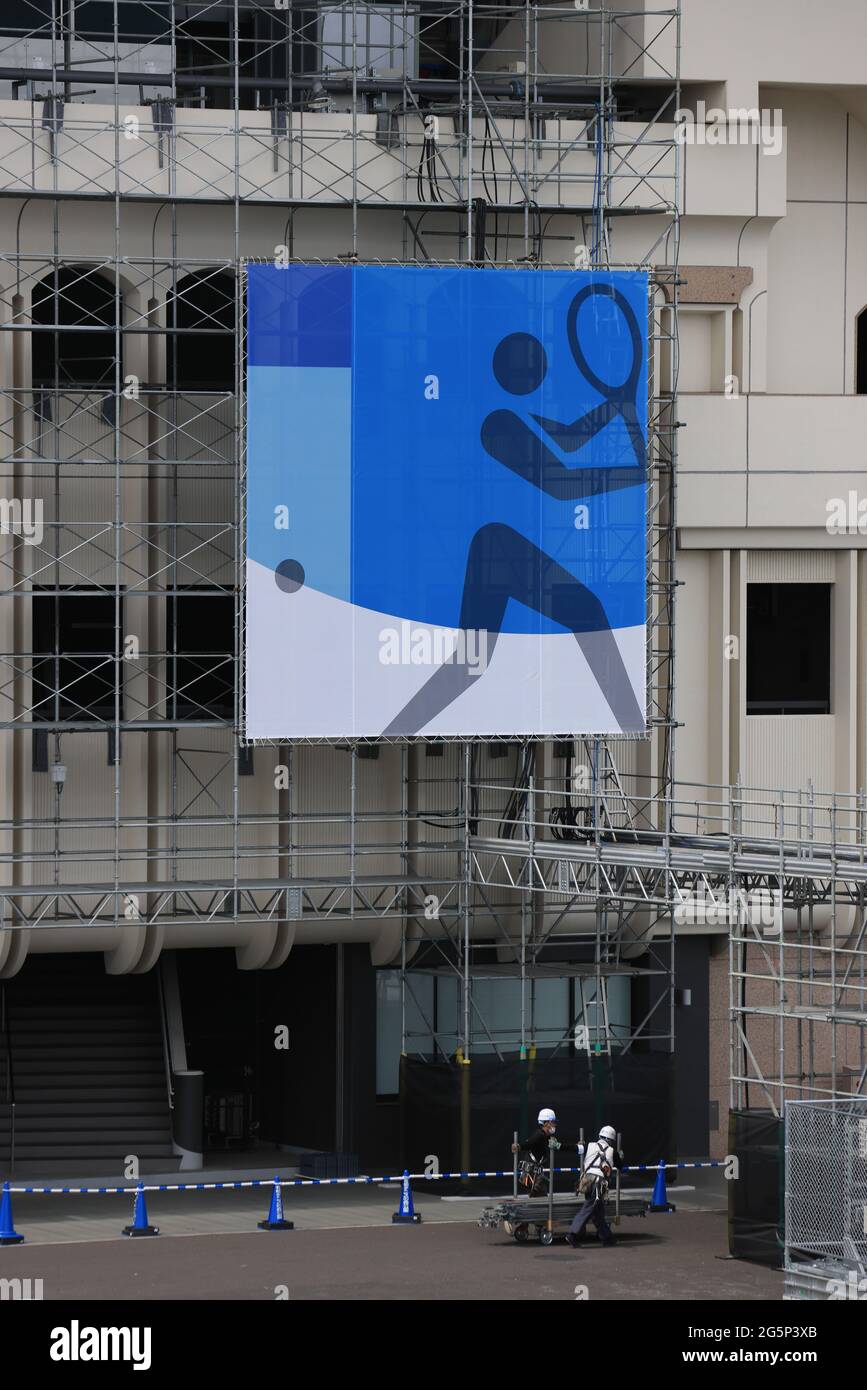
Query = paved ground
x=344 y=1246
x=658 y=1258
x=58 y=1218
x=62 y=1219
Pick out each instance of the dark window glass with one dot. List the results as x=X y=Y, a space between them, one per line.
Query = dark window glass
x=95 y=18
x=202 y=359
x=861 y=353
x=270 y=46
x=74 y=669
x=92 y=18
x=788 y=649
x=73 y=297
x=200 y=639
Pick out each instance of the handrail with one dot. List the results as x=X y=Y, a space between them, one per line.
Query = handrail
x=10 y=1076
x=164 y=1030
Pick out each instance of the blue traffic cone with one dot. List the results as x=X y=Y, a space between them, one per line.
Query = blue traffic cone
x=140 y=1225
x=406 y=1214
x=8 y=1233
x=659 y=1201
x=274 y=1220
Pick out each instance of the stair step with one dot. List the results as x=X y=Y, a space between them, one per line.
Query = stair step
x=44 y=1097
x=88 y=1066
x=37 y=1079
x=83 y=1129
x=71 y=998
x=118 y=1111
x=60 y=1001
x=89 y=1150
x=89 y=1094
x=34 y=1047
x=74 y=1047
x=74 y=1057
x=99 y=1021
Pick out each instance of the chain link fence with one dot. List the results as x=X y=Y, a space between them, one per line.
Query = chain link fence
x=826 y=1193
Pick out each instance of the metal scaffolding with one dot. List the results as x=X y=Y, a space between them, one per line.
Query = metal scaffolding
x=141 y=166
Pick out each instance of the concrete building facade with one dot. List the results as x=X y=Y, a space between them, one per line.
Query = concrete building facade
x=142 y=163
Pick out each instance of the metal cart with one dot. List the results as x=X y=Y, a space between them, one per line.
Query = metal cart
x=545 y=1217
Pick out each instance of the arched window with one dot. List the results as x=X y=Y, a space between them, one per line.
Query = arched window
x=81 y=300
x=201 y=319
x=861 y=353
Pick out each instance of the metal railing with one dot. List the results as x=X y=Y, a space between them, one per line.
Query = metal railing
x=8 y=1097
x=164 y=1034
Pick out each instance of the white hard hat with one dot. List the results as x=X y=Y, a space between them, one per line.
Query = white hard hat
x=608 y=1132
x=546 y=1117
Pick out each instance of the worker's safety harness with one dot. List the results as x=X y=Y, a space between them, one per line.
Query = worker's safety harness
x=593 y=1181
x=532 y=1176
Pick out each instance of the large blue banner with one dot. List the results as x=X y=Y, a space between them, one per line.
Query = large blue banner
x=446 y=502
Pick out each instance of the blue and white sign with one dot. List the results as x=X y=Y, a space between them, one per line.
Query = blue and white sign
x=446 y=502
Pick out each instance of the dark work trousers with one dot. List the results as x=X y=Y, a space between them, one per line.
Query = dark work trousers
x=592 y=1210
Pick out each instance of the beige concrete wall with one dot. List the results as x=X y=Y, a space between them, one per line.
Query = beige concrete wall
x=744 y=44
x=756 y=470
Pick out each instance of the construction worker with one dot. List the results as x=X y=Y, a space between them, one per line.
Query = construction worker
x=538 y=1146
x=600 y=1161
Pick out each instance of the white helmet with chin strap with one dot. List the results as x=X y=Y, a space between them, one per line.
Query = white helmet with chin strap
x=546 y=1117
x=608 y=1133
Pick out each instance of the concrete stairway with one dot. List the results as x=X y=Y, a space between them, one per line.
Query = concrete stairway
x=87 y=1069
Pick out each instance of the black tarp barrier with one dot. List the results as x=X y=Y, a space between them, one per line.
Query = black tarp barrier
x=755 y=1195
x=632 y=1093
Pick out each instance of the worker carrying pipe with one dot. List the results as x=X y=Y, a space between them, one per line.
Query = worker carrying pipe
x=532 y=1175
x=600 y=1161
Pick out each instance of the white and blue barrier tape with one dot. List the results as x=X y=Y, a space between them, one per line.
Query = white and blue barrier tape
x=362 y=1181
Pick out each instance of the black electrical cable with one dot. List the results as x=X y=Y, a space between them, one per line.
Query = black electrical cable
x=474 y=794
x=484 y=166
x=440 y=197
x=569 y=822
x=518 y=798
x=419 y=186
x=436 y=196
x=493 y=153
